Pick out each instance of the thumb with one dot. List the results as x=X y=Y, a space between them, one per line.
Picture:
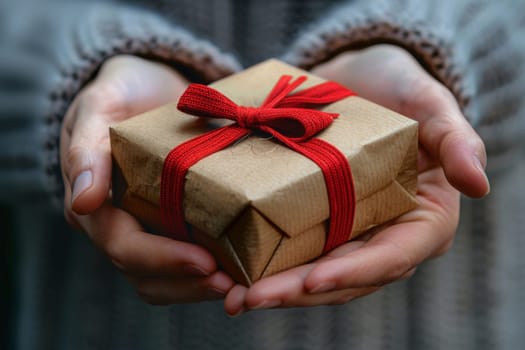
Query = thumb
x=461 y=153
x=446 y=134
x=88 y=163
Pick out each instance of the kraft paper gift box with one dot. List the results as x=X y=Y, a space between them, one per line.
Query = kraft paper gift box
x=258 y=206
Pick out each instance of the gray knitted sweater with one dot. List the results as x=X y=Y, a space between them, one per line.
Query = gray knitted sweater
x=66 y=295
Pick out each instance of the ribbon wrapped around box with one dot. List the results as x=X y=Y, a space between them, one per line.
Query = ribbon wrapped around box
x=259 y=205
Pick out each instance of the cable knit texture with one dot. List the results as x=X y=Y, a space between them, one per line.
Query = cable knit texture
x=68 y=296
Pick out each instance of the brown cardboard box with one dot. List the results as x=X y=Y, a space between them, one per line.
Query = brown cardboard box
x=259 y=207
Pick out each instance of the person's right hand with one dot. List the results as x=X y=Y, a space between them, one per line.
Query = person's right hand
x=163 y=270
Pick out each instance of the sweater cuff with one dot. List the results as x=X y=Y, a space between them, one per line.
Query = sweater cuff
x=92 y=34
x=366 y=23
x=472 y=47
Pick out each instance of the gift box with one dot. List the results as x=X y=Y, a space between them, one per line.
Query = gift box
x=258 y=206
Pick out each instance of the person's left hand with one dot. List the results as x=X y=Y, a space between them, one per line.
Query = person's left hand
x=451 y=158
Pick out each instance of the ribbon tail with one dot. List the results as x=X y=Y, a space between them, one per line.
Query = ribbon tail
x=282 y=89
x=339 y=185
x=176 y=166
x=321 y=94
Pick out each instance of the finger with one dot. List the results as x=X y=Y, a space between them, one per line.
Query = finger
x=87 y=158
x=391 y=253
x=286 y=289
x=173 y=291
x=138 y=253
x=374 y=265
x=234 y=301
x=272 y=291
x=446 y=135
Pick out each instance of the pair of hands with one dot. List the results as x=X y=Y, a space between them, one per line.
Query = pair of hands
x=165 y=271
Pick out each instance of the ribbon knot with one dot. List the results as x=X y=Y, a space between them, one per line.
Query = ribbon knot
x=286 y=116
x=248 y=117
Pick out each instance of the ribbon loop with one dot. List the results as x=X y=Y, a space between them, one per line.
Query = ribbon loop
x=203 y=101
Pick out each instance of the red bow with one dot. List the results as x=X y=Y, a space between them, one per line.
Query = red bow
x=279 y=115
x=283 y=115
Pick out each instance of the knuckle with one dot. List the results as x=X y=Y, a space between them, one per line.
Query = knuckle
x=75 y=155
x=104 y=97
x=426 y=90
x=431 y=90
x=452 y=139
x=440 y=92
x=410 y=96
x=443 y=126
x=98 y=94
x=427 y=94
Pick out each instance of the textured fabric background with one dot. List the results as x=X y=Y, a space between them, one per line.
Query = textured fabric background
x=66 y=295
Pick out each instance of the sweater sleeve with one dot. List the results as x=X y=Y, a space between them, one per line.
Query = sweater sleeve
x=47 y=55
x=473 y=47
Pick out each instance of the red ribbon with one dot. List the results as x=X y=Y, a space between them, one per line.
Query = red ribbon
x=285 y=116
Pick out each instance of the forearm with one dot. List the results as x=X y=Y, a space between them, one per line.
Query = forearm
x=50 y=54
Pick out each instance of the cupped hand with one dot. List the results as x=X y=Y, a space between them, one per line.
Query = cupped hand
x=451 y=160
x=163 y=270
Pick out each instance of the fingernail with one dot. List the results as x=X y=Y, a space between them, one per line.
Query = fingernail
x=83 y=181
x=481 y=169
x=215 y=293
x=196 y=270
x=323 y=287
x=266 y=304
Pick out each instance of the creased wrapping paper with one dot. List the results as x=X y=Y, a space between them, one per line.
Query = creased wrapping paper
x=259 y=207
